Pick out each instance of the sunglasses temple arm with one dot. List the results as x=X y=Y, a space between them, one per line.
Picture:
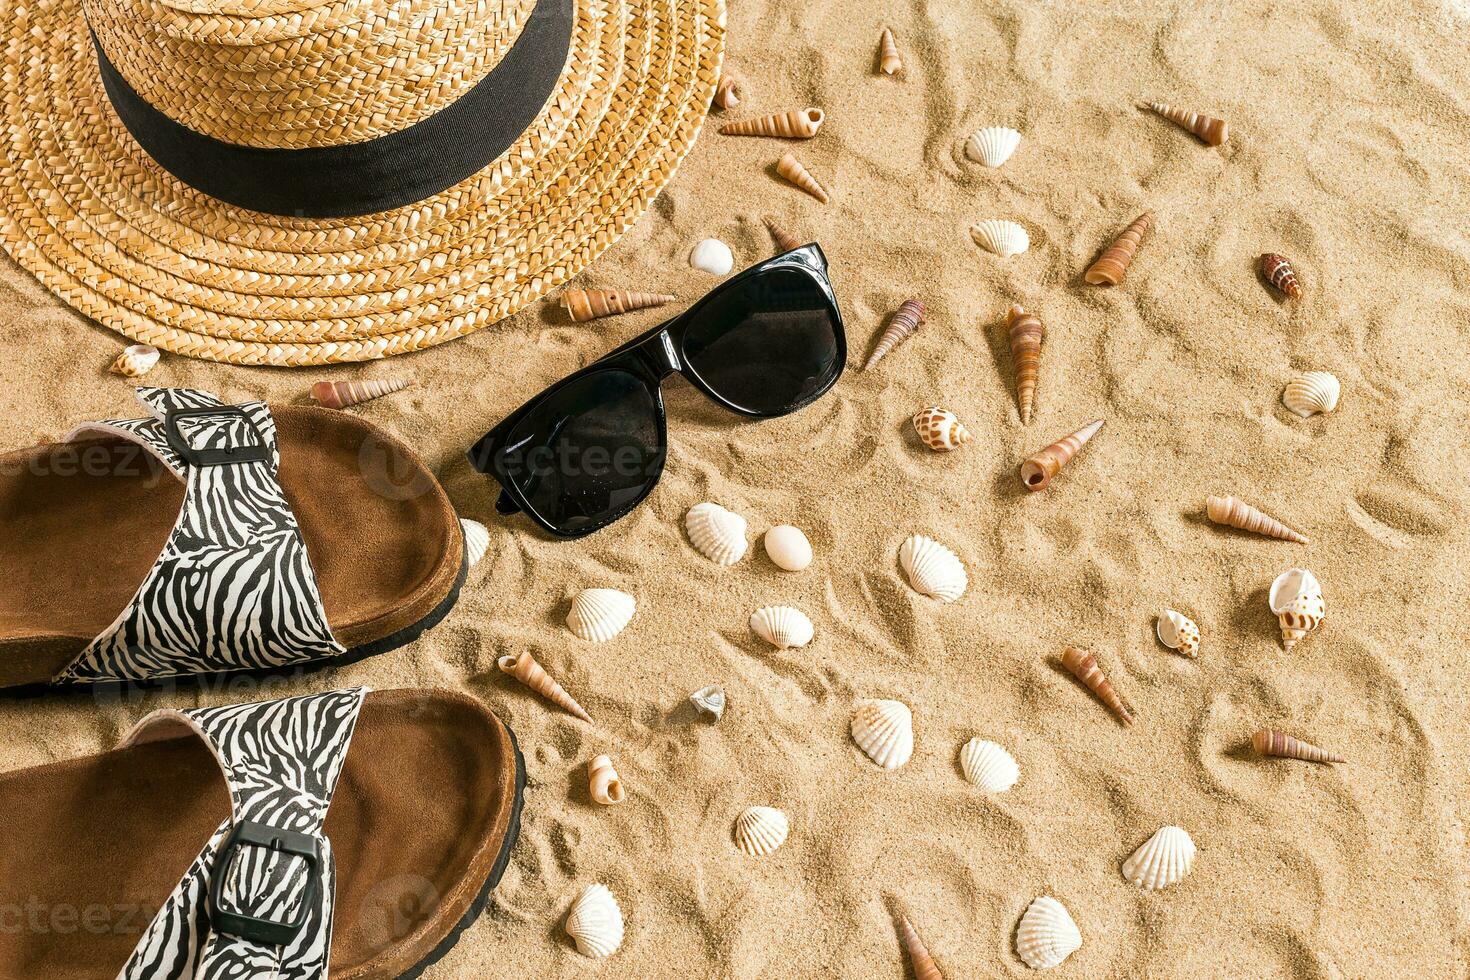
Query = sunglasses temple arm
x=505 y=506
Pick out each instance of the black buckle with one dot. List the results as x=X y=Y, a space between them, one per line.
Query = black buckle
x=245 y=926
x=257 y=453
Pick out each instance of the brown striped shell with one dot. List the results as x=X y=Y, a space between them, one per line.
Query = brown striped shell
x=1110 y=267
x=1026 y=333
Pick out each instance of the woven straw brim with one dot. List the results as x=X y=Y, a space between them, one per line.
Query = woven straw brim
x=96 y=220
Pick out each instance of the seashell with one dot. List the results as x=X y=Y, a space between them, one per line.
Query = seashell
x=709 y=701
x=1026 y=333
x=1110 y=266
x=524 y=668
x=1163 y=860
x=884 y=730
x=1279 y=273
x=791 y=168
x=760 y=830
x=919 y=958
x=712 y=256
x=1038 y=469
x=1269 y=741
x=888 y=60
x=1313 y=392
x=903 y=325
x=135 y=361
x=988 y=765
x=604 y=785
x=788 y=547
x=595 y=922
x=1004 y=238
x=1178 y=632
x=799 y=124
x=782 y=626
x=785 y=241
x=716 y=533
x=993 y=145
x=344 y=394
x=600 y=614
x=1237 y=513
x=1209 y=129
x=476 y=540
x=941 y=430
x=1083 y=666
x=589 y=304
x=933 y=569
x=729 y=92
x=1047 y=934
x=1296 y=599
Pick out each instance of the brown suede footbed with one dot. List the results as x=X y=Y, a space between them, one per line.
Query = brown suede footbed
x=92 y=847
x=81 y=535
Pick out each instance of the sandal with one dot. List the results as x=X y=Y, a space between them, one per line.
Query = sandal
x=371 y=862
x=262 y=538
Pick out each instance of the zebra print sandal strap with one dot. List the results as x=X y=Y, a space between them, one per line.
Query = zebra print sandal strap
x=257 y=902
x=233 y=588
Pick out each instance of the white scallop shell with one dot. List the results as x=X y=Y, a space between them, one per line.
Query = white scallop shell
x=1297 y=586
x=1313 y=392
x=788 y=547
x=1178 y=632
x=782 y=626
x=885 y=731
x=760 y=830
x=135 y=361
x=988 y=765
x=600 y=614
x=933 y=569
x=992 y=145
x=476 y=540
x=712 y=256
x=710 y=700
x=595 y=922
x=1162 y=860
x=716 y=533
x=1047 y=934
x=1004 y=238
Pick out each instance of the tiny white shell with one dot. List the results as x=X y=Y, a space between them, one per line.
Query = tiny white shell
x=988 y=765
x=992 y=145
x=712 y=256
x=1313 y=392
x=782 y=626
x=1004 y=238
x=788 y=547
x=716 y=533
x=1162 y=860
x=933 y=569
x=760 y=830
x=710 y=701
x=884 y=730
x=600 y=614
x=135 y=361
x=1047 y=934
x=476 y=540
x=1178 y=632
x=595 y=922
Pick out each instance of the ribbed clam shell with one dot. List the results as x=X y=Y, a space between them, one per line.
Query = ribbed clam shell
x=600 y=614
x=1313 y=392
x=1047 y=934
x=760 y=830
x=933 y=569
x=884 y=730
x=1178 y=632
x=988 y=765
x=1162 y=860
x=992 y=145
x=710 y=701
x=716 y=533
x=1004 y=238
x=1296 y=599
x=135 y=361
x=476 y=540
x=782 y=626
x=712 y=256
x=595 y=922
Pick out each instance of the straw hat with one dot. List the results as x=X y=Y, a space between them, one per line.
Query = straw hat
x=310 y=181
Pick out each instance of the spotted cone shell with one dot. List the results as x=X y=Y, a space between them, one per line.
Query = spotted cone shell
x=716 y=533
x=884 y=730
x=792 y=169
x=1178 y=632
x=598 y=615
x=932 y=569
x=941 y=430
x=760 y=830
x=1296 y=599
x=1026 y=334
x=135 y=361
x=1047 y=934
x=1210 y=130
x=796 y=124
x=595 y=922
x=1162 y=860
x=1111 y=266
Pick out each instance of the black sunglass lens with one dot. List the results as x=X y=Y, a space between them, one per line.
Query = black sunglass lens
x=767 y=344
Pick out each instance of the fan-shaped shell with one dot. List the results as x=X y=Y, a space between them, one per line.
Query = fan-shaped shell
x=712 y=256
x=1296 y=599
x=710 y=701
x=1162 y=860
x=782 y=626
x=600 y=614
x=716 y=533
x=1047 y=934
x=1004 y=238
x=988 y=765
x=788 y=547
x=135 y=361
x=476 y=540
x=1313 y=392
x=884 y=730
x=1178 y=632
x=760 y=830
x=992 y=145
x=933 y=569
x=595 y=922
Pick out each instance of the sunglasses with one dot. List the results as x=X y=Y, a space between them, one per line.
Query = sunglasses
x=590 y=448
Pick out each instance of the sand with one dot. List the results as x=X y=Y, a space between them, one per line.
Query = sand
x=1349 y=125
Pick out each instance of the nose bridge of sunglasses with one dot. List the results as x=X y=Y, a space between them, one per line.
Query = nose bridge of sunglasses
x=660 y=355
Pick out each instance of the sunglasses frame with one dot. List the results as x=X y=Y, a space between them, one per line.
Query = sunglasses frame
x=651 y=358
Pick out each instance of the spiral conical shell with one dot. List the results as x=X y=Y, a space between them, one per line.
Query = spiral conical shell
x=1279 y=273
x=988 y=765
x=1315 y=392
x=760 y=830
x=1083 y=666
x=135 y=361
x=1026 y=333
x=1110 y=267
x=1162 y=860
x=784 y=240
x=1234 y=512
x=1038 y=469
x=1178 y=632
x=1004 y=238
x=595 y=922
x=589 y=304
x=603 y=783
x=782 y=626
x=797 y=124
x=599 y=615
x=1269 y=741
x=1296 y=599
x=903 y=325
x=1047 y=934
x=791 y=168
x=919 y=958
x=1209 y=129
x=344 y=394
x=941 y=430
x=716 y=533
x=729 y=92
x=884 y=730
x=524 y=668
x=993 y=145
x=933 y=570
x=476 y=540
x=888 y=60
